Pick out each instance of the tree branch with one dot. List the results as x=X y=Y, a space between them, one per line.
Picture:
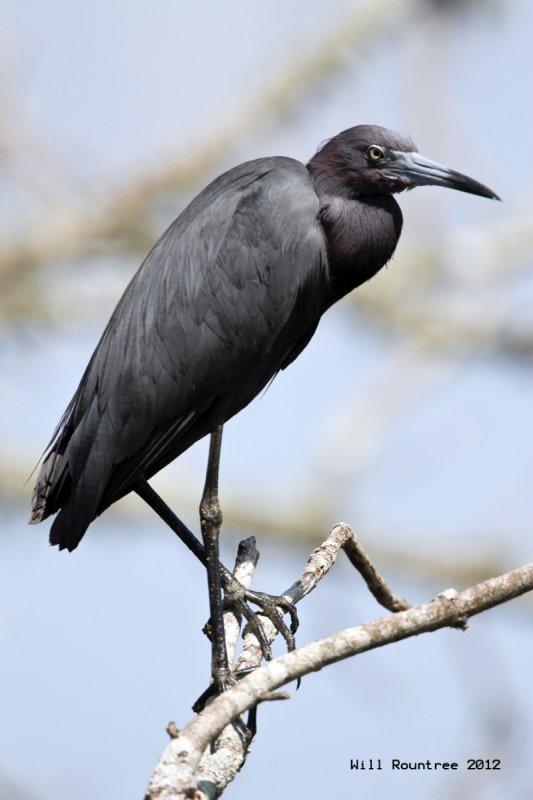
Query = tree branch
x=218 y=768
x=186 y=767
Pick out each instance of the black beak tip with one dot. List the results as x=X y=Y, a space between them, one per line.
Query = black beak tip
x=489 y=194
x=482 y=191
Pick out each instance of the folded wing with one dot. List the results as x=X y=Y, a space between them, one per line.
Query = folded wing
x=229 y=295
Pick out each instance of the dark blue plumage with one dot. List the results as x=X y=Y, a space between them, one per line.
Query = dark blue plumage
x=230 y=294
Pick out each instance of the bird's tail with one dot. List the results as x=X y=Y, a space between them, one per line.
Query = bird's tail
x=52 y=483
x=71 y=479
x=46 y=485
x=77 y=502
x=69 y=527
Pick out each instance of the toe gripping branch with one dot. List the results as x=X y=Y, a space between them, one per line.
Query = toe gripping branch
x=238 y=598
x=230 y=747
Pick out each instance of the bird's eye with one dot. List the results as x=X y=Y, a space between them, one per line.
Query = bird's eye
x=375 y=153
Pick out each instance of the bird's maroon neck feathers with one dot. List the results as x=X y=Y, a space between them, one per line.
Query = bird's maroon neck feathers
x=362 y=228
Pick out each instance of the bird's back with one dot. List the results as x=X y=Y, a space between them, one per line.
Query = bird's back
x=230 y=294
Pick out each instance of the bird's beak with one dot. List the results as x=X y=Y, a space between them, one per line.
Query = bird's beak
x=416 y=170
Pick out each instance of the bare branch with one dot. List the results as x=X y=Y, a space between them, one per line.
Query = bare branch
x=375 y=582
x=218 y=768
x=318 y=565
x=179 y=773
x=323 y=557
x=245 y=564
x=306 y=528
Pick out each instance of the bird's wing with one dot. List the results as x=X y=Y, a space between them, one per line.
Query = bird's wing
x=209 y=305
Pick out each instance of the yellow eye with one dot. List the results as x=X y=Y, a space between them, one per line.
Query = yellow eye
x=375 y=153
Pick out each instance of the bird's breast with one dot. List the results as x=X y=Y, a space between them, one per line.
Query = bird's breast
x=361 y=237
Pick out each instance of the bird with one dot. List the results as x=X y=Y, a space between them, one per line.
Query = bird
x=229 y=296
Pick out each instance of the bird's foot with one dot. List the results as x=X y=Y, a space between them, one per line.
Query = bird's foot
x=223 y=680
x=238 y=599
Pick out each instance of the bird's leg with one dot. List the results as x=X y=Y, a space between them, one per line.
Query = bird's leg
x=211 y=521
x=157 y=504
x=236 y=596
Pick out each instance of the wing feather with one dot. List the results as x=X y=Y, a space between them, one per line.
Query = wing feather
x=212 y=314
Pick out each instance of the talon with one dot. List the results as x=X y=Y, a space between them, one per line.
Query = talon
x=290 y=608
x=255 y=623
x=220 y=682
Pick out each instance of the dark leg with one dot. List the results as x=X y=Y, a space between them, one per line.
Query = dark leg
x=236 y=595
x=211 y=520
x=157 y=504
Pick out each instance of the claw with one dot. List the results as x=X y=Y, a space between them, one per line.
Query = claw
x=291 y=610
x=201 y=701
x=245 y=730
x=255 y=623
x=218 y=685
x=269 y=605
x=271 y=612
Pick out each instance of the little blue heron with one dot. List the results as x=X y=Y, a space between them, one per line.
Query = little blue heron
x=230 y=294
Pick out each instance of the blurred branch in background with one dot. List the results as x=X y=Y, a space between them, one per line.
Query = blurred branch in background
x=432 y=311
x=10 y=789
x=458 y=301
x=122 y=220
x=303 y=527
x=495 y=715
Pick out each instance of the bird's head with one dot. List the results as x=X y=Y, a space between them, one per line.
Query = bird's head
x=368 y=159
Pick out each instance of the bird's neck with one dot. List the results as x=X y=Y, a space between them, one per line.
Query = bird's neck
x=361 y=234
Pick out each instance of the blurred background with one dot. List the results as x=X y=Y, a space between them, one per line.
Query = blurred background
x=408 y=416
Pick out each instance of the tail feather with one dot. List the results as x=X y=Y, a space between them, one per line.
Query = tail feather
x=50 y=479
x=81 y=505
x=68 y=529
x=71 y=479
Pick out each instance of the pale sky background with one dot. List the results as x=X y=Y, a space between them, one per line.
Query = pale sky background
x=97 y=653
